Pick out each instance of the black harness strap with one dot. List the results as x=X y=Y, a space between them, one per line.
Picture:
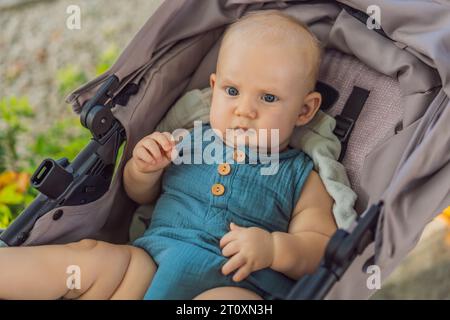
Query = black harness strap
x=345 y=122
x=329 y=95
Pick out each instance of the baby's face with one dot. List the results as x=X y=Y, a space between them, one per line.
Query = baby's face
x=258 y=87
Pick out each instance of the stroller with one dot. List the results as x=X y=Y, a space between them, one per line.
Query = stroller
x=388 y=87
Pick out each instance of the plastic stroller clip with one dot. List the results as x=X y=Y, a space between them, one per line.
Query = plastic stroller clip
x=51 y=178
x=61 y=183
x=96 y=115
x=344 y=127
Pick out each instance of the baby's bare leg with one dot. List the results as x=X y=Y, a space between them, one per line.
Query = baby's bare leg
x=106 y=271
x=228 y=293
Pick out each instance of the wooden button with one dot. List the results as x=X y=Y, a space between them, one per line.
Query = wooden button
x=239 y=156
x=218 y=189
x=224 y=169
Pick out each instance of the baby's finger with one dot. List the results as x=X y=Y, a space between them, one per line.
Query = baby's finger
x=170 y=153
x=164 y=141
x=234 y=263
x=170 y=137
x=153 y=148
x=234 y=226
x=143 y=155
x=230 y=236
x=231 y=249
x=179 y=136
x=242 y=273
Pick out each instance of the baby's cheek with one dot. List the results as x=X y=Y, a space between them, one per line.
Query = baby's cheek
x=276 y=136
x=219 y=115
x=218 y=122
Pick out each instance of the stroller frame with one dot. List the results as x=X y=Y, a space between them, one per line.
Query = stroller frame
x=86 y=179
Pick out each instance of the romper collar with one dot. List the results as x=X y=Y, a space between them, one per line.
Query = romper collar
x=251 y=153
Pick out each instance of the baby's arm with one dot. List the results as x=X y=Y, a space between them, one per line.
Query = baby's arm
x=299 y=251
x=294 y=253
x=143 y=171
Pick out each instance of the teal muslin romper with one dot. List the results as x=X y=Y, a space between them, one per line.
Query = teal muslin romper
x=190 y=219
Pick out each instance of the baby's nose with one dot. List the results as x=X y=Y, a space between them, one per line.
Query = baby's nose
x=246 y=109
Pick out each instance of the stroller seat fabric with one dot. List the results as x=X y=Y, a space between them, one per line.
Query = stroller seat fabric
x=380 y=115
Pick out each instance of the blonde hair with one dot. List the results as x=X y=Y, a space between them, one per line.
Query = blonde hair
x=281 y=26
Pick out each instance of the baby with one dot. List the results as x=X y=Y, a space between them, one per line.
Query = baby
x=226 y=230
x=218 y=231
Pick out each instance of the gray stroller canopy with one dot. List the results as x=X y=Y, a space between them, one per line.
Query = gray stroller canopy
x=408 y=170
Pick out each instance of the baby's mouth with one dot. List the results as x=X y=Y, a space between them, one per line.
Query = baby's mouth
x=240 y=130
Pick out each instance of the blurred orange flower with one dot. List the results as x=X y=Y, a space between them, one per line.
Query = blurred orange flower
x=21 y=180
x=445 y=216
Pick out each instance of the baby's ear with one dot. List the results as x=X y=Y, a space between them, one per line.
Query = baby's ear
x=311 y=105
x=212 y=80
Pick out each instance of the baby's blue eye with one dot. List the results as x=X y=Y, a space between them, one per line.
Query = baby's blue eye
x=270 y=98
x=232 y=91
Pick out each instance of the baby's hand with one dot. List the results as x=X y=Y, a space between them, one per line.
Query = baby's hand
x=251 y=250
x=153 y=152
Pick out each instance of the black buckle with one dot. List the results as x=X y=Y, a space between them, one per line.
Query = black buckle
x=52 y=178
x=344 y=127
